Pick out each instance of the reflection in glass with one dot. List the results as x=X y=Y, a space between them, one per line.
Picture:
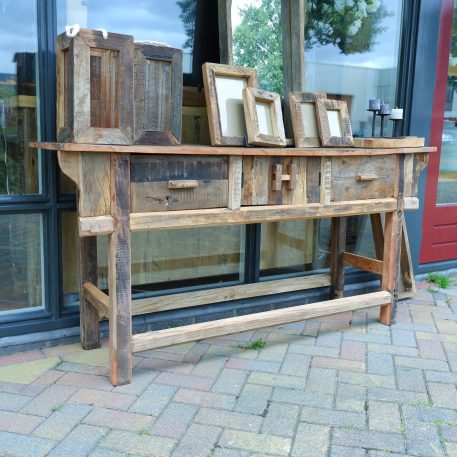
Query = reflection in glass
x=21 y=281
x=161 y=260
x=447 y=180
x=19 y=164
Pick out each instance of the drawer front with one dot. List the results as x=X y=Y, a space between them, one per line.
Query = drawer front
x=170 y=182
x=362 y=178
x=273 y=181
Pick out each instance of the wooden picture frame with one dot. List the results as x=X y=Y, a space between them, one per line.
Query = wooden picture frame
x=224 y=86
x=263 y=114
x=95 y=88
x=304 y=118
x=334 y=123
x=158 y=94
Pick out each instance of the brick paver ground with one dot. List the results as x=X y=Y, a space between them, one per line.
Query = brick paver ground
x=342 y=386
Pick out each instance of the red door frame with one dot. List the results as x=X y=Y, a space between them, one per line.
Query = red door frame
x=439 y=240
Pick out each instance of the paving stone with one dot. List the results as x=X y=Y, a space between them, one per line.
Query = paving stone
x=210 y=399
x=300 y=397
x=396 y=396
x=369 y=439
x=384 y=417
x=280 y=420
x=321 y=380
x=403 y=337
x=275 y=380
x=410 y=379
x=422 y=439
x=332 y=418
x=254 y=442
x=417 y=327
x=43 y=404
x=253 y=365
x=452 y=357
x=119 y=420
x=451 y=449
x=86 y=380
x=209 y=367
x=392 y=350
x=81 y=368
x=140 y=381
x=229 y=419
x=311 y=441
x=13 y=402
x=349 y=404
x=367 y=337
x=385 y=454
x=351 y=391
x=353 y=350
x=97 y=357
x=313 y=350
x=342 y=451
x=440 y=376
x=198 y=441
x=329 y=339
x=18 y=423
x=381 y=364
x=153 y=400
x=174 y=420
x=107 y=453
x=449 y=432
x=61 y=422
x=159 y=365
x=295 y=364
x=431 y=350
x=429 y=414
x=196 y=352
x=104 y=400
x=19 y=357
x=11 y=387
x=223 y=452
x=443 y=395
x=273 y=353
x=230 y=381
x=14 y=445
x=253 y=399
x=186 y=381
x=79 y=442
x=338 y=364
x=134 y=443
x=368 y=380
x=27 y=372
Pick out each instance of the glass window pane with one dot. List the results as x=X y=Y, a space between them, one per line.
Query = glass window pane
x=447 y=180
x=21 y=260
x=19 y=164
x=161 y=260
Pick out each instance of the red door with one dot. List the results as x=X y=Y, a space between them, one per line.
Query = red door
x=439 y=240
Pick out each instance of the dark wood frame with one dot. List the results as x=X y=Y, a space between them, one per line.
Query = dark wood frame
x=296 y=99
x=322 y=108
x=250 y=98
x=170 y=132
x=210 y=72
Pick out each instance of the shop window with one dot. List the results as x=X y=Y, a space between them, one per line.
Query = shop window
x=19 y=164
x=21 y=271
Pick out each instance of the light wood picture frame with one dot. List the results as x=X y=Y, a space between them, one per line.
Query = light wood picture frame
x=304 y=118
x=334 y=123
x=224 y=86
x=263 y=114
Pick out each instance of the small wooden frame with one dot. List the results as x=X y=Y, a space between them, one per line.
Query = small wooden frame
x=264 y=124
x=95 y=88
x=334 y=123
x=224 y=86
x=158 y=94
x=304 y=118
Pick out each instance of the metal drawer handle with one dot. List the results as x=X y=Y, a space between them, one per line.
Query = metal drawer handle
x=366 y=177
x=184 y=184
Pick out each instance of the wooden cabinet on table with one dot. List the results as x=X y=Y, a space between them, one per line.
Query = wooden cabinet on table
x=123 y=189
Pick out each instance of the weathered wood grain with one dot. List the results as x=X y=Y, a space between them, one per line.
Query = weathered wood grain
x=195 y=332
x=119 y=274
x=338 y=246
x=235 y=182
x=229 y=293
x=96 y=298
x=405 y=142
x=158 y=94
x=362 y=262
x=323 y=106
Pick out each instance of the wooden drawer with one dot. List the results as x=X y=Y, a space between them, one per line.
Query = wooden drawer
x=362 y=178
x=171 y=182
x=274 y=181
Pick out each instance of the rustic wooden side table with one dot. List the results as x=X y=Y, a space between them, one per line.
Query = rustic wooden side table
x=133 y=188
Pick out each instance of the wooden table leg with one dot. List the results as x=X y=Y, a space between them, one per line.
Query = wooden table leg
x=89 y=316
x=338 y=246
x=119 y=265
x=392 y=245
